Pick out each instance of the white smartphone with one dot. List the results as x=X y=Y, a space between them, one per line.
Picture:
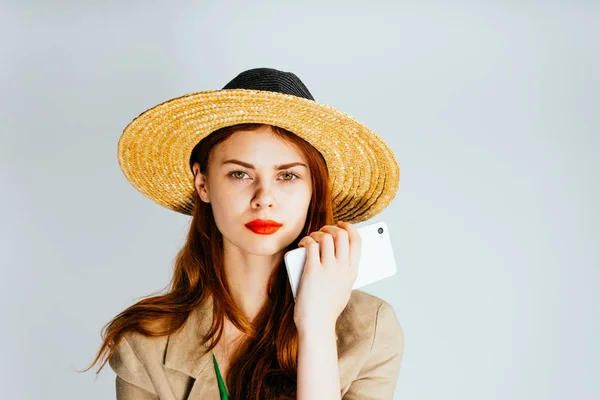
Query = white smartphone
x=376 y=259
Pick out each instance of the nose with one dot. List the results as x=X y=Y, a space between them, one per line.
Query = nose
x=263 y=197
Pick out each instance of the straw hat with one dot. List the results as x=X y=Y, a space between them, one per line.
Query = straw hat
x=154 y=149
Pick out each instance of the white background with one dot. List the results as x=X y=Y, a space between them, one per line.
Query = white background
x=492 y=109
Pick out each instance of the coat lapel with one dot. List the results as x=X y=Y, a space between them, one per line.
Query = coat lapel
x=186 y=353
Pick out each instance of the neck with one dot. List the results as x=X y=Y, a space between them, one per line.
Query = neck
x=248 y=276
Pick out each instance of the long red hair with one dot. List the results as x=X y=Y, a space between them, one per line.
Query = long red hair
x=265 y=365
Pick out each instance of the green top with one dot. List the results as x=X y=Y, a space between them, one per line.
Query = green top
x=222 y=388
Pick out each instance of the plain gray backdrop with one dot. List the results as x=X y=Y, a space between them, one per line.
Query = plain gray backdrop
x=492 y=109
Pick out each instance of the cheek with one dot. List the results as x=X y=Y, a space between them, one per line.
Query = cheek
x=298 y=200
x=225 y=203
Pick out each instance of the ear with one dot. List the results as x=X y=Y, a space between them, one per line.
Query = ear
x=200 y=183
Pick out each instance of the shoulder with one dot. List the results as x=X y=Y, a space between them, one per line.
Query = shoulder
x=375 y=308
x=135 y=355
x=358 y=298
x=370 y=347
x=367 y=324
x=363 y=313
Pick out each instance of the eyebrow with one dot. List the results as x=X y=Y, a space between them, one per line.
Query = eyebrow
x=275 y=167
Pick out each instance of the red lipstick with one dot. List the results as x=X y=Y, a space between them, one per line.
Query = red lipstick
x=263 y=227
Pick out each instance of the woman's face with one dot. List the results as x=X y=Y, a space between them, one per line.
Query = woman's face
x=239 y=194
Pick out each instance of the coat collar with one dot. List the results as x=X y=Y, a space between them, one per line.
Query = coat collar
x=185 y=351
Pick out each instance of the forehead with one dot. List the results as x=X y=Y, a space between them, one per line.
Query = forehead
x=258 y=146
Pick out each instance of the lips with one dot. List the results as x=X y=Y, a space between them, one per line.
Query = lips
x=263 y=227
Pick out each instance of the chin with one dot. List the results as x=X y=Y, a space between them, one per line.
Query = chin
x=264 y=249
x=264 y=245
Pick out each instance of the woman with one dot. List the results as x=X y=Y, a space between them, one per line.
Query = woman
x=262 y=168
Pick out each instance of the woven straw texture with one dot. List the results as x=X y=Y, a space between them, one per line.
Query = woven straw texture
x=155 y=148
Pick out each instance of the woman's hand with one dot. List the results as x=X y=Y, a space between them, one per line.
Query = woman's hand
x=331 y=268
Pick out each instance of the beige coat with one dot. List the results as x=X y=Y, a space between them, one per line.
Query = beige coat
x=370 y=345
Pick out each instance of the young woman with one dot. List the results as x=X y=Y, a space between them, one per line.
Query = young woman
x=262 y=168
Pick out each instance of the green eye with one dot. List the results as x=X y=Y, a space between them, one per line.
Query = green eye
x=237 y=172
x=239 y=175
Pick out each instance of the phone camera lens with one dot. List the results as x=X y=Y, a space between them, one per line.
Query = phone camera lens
x=380 y=230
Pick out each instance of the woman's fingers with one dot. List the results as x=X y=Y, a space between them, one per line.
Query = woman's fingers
x=341 y=243
x=327 y=247
x=336 y=244
x=312 y=253
x=355 y=243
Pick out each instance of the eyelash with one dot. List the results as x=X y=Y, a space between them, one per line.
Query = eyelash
x=283 y=173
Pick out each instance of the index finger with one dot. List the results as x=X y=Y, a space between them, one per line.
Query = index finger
x=353 y=239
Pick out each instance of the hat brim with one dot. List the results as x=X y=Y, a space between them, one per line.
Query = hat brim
x=154 y=149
